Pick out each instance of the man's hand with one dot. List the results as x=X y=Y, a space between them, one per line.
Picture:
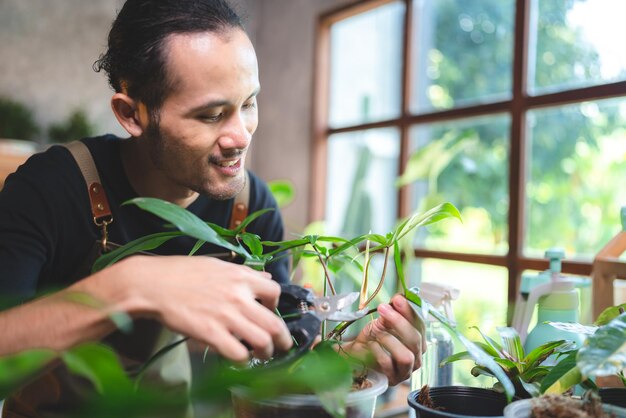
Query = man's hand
x=393 y=343
x=220 y=304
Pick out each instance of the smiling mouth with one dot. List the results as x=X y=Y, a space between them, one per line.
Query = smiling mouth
x=228 y=163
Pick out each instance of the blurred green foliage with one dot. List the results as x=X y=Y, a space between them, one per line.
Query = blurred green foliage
x=16 y=120
x=76 y=126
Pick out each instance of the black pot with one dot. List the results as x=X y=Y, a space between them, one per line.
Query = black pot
x=460 y=401
x=613 y=396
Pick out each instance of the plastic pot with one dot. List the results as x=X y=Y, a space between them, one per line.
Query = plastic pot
x=460 y=401
x=523 y=409
x=613 y=396
x=359 y=404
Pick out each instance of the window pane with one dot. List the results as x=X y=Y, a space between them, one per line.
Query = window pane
x=366 y=66
x=475 y=307
x=466 y=163
x=576 y=44
x=462 y=53
x=360 y=190
x=577 y=166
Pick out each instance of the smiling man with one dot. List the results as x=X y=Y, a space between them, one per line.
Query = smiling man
x=185 y=78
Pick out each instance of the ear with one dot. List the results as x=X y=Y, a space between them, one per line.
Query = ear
x=128 y=114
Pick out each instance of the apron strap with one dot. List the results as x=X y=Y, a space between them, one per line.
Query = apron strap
x=240 y=205
x=100 y=209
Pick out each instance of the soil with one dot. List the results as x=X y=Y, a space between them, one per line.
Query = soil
x=424 y=398
x=558 y=406
x=360 y=382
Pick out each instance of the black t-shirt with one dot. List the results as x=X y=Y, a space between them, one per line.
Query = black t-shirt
x=47 y=231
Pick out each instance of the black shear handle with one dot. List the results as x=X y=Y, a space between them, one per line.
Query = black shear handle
x=303 y=324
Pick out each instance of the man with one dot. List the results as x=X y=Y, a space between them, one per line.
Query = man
x=185 y=79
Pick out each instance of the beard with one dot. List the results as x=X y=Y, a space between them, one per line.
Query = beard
x=170 y=156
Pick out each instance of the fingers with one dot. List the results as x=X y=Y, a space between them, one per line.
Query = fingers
x=397 y=325
x=401 y=305
x=273 y=326
x=218 y=303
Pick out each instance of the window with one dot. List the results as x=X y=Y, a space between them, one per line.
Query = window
x=513 y=110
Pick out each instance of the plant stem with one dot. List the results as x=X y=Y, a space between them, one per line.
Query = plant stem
x=380 y=283
x=341 y=328
x=326 y=273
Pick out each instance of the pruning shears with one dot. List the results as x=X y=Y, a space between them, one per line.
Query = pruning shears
x=304 y=312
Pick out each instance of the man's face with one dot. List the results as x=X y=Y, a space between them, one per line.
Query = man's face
x=206 y=123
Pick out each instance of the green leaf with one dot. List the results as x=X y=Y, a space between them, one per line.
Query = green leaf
x=147 y=243
x=566 y=381
x=17 y=369
x=331 y=392
x=436 y=214
x=494 y=348
x=506 y=364
x=483 y=359
x=463 y=355
x=199 y=243
x=223 y=232
x=539 y=354
x=100 y=365
x=186 y=222
x=511 y=342
x=283 y=191
x=252 y=217
x=535 y=374
x=532 y=388
x=253 y=242
x=397 y=258
x=604 y=353
x=609 y=314
x=558 y=371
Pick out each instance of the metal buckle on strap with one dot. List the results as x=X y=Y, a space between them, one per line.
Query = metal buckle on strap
x=103 y=222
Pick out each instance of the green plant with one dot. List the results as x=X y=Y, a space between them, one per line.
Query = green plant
x=16 y=120
x=75 y=127
x=536 y=373
x=525 y=370
x=602 y=354
x=323 y=371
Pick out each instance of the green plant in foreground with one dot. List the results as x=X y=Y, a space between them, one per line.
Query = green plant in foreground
x=602 y=354
x=322 y=371
x=525 y=370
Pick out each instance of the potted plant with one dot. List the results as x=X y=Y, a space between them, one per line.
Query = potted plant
x=603 y=354
x=331 y=396
x=310 y=374
x=524 y=371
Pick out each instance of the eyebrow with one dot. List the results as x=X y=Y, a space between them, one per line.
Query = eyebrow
x=219 y=103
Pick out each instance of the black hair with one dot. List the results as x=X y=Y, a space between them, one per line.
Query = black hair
x=135 y=61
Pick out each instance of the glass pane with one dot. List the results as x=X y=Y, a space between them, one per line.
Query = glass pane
x=360 y=191
x=366 y=66
x=575 y=44
x=577 y=167
x=462 y=53
x=464 y=162
x=474 y=307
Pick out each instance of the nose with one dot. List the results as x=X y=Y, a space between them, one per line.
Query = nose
x=237 y=132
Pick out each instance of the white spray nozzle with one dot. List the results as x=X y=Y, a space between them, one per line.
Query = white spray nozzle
x=440 y=296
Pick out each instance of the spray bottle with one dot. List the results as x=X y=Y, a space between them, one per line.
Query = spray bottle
x=557 y=300
x=439 y=343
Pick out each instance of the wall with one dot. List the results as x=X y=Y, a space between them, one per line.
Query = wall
x=48 y=48
x=285 y=42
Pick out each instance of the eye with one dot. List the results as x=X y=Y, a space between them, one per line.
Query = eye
x=212 y=118
x=249 y=105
